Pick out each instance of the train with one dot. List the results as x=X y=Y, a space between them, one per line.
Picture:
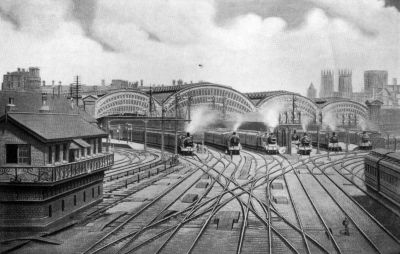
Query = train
x=186 y=143
x=228 y=141
x=249 y=139
x=270 y=143
x=382 y=173
x=304 y=145
x=364 y=140
x=186 y=146
x=365 y=143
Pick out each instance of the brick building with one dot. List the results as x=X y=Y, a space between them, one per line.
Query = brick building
x=51 y=166
x=22 y=80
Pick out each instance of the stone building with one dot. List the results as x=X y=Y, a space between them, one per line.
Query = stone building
x=311 y=92
x=123 y=84
x=374 y=82
x=345 y=87
x=327 y=84
x=22 y=79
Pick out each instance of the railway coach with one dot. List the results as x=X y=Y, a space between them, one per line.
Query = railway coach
x=382 y=173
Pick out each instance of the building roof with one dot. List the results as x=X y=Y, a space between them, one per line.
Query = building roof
x=32 y=102
x=54 y=127
x=256 y=97
x=395 y=156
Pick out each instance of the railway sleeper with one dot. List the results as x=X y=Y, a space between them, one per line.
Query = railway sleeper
x=226 y=219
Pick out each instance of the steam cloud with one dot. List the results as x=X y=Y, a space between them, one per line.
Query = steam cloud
x=163 y=40
x=201 y=118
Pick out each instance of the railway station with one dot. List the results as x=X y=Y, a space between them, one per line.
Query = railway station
x=197 y=169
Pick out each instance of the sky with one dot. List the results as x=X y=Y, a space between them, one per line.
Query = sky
x=250 y=45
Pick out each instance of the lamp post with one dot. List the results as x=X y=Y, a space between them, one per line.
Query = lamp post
x=108 y=136
x=289 y=140
x=329 y=158
x=318 y=139
x=145 y=135
x=176 y=124
x=347 y=139
x=189 y=98
x=118 y=131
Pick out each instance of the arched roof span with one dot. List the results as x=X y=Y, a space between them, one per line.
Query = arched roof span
x=221 y=97
x=283 y=101
x=124 y=102
x=345 y=106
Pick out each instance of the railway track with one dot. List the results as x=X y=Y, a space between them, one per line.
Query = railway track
x=156 y=207
x=245 y=185
x=361 y=225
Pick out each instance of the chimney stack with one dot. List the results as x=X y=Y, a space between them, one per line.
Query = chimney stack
x=44 y=83
x=10 y=106
x=52 y=82
x=141 y=82
x=44 y=108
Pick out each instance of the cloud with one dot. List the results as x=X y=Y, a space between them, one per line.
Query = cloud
x=163 y=40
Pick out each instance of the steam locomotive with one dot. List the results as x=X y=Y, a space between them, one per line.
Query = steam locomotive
x=304 y=147
x=334 y=143
x=270 y=143
x=365 y=143
x=224 y=140
x=186 y=145
x=295 y=139
x=233 y=144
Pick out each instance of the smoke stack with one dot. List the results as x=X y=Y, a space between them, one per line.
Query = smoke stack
x=19 y=69
x=52 y=82
x=395 y=81
x=44 y=108
x=44 y=83
x=103 y=82
x=141 y=82
x=10 y=106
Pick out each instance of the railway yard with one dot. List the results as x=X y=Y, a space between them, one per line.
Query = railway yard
x=214 y=203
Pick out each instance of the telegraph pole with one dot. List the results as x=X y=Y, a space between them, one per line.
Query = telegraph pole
x=176 y=124
x=77 y=86
x=293 y=108
x=162 y=130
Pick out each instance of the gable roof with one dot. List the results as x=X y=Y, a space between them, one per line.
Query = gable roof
x=54 y=127
x=32 y=102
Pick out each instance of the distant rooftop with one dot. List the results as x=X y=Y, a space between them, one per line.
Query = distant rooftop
x=32 y=102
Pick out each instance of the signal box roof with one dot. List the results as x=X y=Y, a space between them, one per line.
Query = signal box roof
x=49 y=127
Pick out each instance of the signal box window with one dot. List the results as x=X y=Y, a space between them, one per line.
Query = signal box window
x=18 y=154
